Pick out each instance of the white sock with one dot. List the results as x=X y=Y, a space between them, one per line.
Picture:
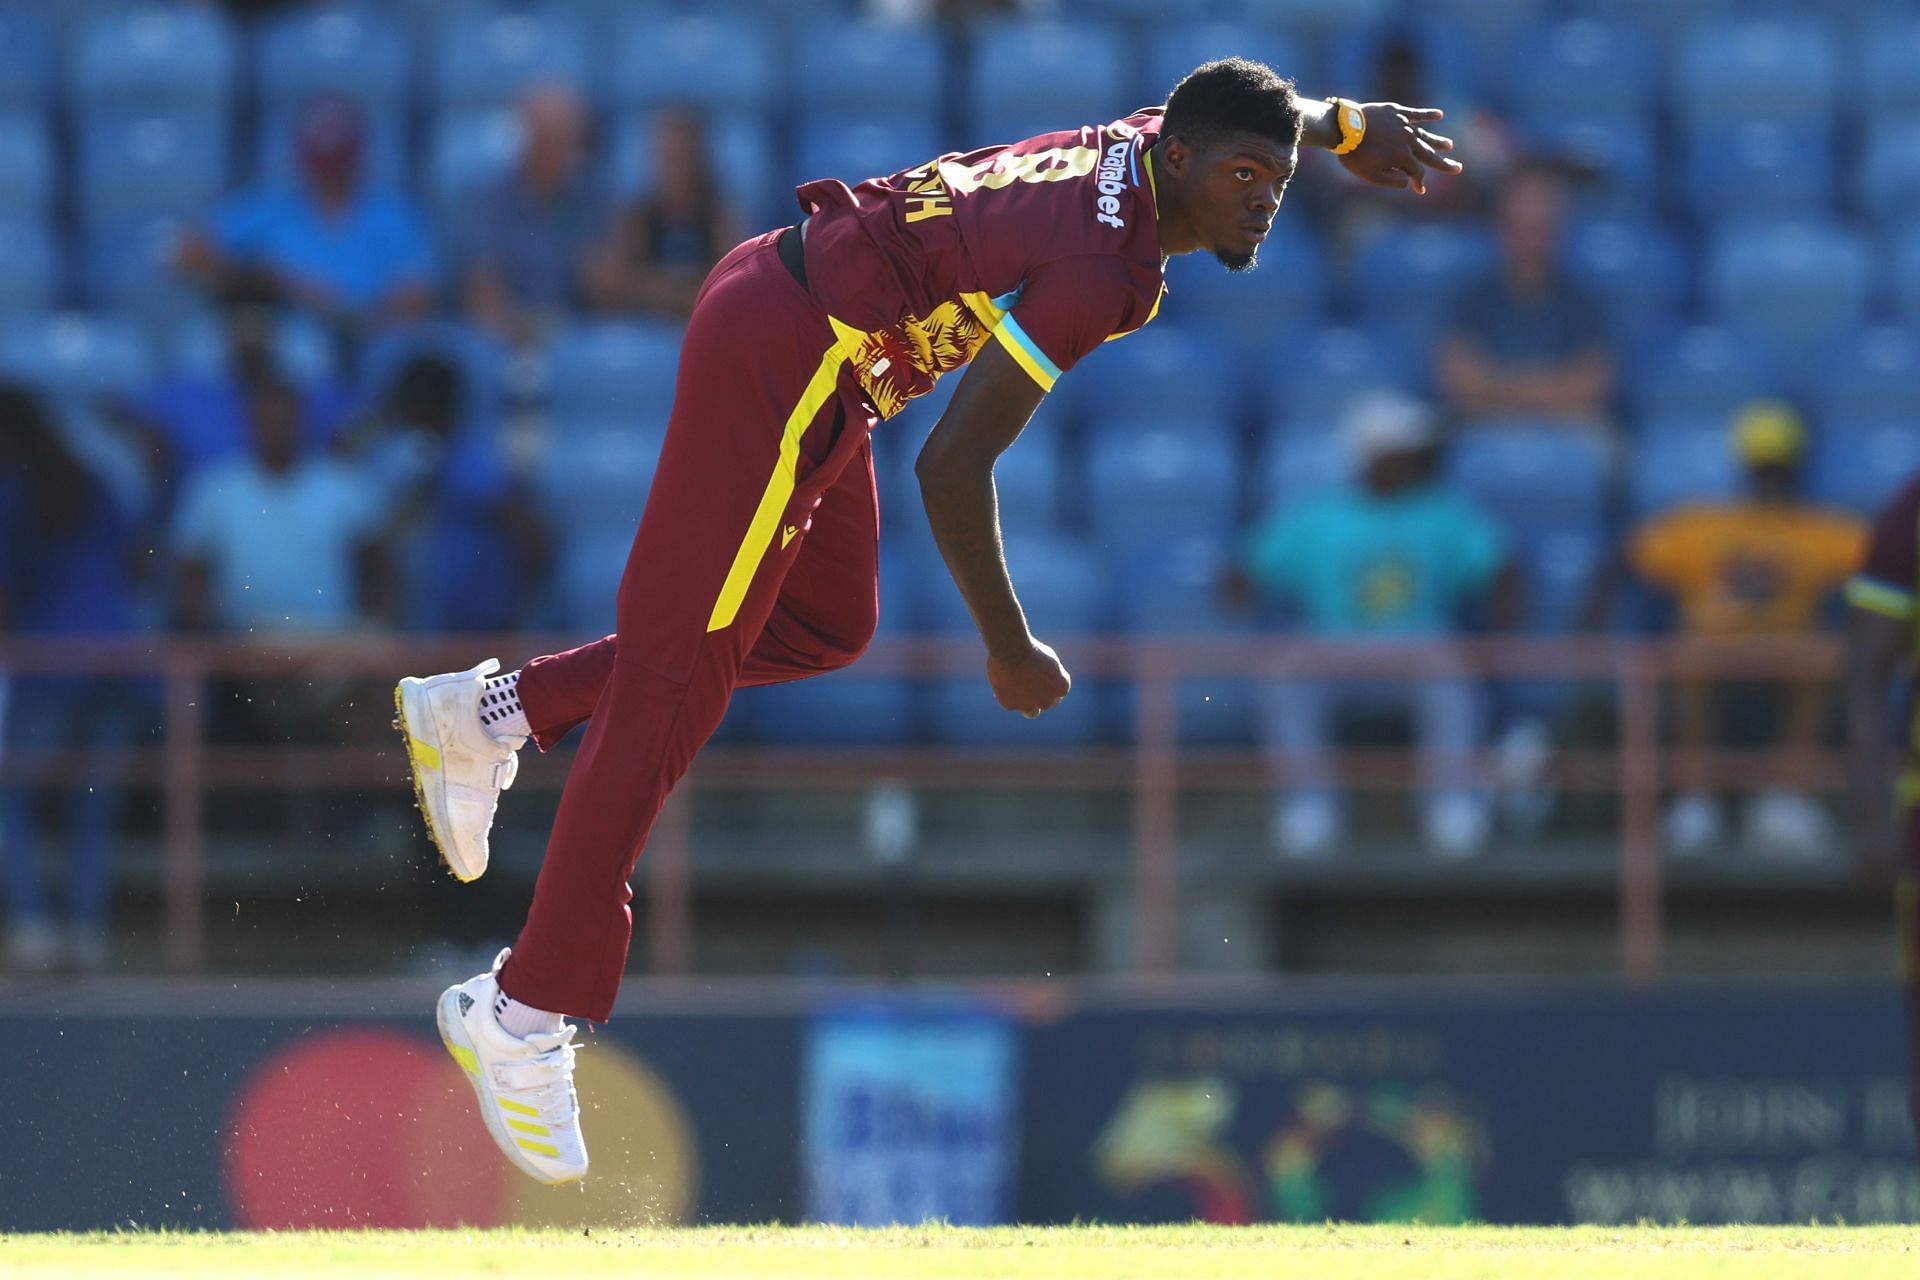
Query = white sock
x=501 y=714
x=523 y=1020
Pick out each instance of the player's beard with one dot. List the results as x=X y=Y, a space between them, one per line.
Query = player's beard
x=1238 y=262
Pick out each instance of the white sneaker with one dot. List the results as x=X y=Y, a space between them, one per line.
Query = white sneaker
x=525 y=1086
x=459 y=769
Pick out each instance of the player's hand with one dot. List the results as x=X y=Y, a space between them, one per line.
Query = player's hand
x=1399 y=148
x=1029 y=682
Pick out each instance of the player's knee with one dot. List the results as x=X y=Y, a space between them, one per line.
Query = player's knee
x=845 y=647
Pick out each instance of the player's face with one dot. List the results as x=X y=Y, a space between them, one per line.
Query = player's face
x=1239 y=188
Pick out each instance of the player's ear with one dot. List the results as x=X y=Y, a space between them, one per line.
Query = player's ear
x=1174 y=154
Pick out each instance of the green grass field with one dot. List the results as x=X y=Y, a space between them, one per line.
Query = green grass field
x=942 y=1253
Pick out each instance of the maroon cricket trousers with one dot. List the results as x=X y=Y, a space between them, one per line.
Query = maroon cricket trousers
x=756 y=562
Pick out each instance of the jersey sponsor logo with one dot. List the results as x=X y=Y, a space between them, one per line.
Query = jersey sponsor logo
x=1111 y=179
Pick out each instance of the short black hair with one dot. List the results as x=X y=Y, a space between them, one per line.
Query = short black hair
x=1233 y=95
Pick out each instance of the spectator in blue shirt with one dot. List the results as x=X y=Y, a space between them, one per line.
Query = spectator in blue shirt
x=352 y=256
x=67 y=540
x=1528 y=341
x=524 y=251
x=275 y=541
x=1396 y=557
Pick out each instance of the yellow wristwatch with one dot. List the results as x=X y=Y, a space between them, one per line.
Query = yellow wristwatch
x=1352 y=121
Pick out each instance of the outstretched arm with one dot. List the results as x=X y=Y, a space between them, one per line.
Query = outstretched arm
x=955 y=468
x=1397 y=149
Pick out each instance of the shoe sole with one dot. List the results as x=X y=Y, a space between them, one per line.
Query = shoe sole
x=404 y=719
x=461 y=1050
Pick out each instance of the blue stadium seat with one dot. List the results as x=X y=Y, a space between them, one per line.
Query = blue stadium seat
x=1174 y=589
x=156 y=59
x=1756 y=70
x=1559 y=568
x=198 y=347
x=874 y=70
x=854 y=150
x=1148 y=486
x=1581 y=70
x=1873 y=379
x=1317 y=19
x=350 y=50
x=1678 y=463
x=77 y=356
x=1638 y=268
x=1887 y=179
x=1795 y=286
x=841 y=708
x=1903 y=283
x=1665 y=23
x=129 y=266
x=26 y=65
x=1408 y=278
x=1535 y=476
x=1860 y=469
x=1178 y=45
x=1321 y=378
x=1761 y=170
x=1490 y=33
x=1617 y=156
x=1253 y=313
x=1031 y=481
x=592 y=480
x=587 y=581
x=1173 y=12
x=1702 y=375
x=1064 y=587
x=470 y=152
x=1036 y=77
x=697 y=60
x=615 y=371
x=26 y=169
x=29 y=268
x=1300 y=464
x=133 y=169
x=491 y=60
x=1889 y=68
x=1161 y=376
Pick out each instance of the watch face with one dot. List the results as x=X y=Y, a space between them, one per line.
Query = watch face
x=1354 y=119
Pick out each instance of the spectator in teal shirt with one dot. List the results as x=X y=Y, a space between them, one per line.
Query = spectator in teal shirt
x=1395 y=557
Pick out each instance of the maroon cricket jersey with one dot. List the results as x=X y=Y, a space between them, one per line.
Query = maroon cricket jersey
x=1050 y=246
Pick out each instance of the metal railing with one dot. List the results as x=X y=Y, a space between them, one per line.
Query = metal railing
x=1154 y=767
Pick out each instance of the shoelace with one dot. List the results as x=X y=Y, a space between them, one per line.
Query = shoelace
x=541 y=1075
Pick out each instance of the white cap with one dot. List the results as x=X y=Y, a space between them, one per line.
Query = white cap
x=1383 y=422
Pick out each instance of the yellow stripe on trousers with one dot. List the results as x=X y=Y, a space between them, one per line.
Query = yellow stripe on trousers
x=766 y=518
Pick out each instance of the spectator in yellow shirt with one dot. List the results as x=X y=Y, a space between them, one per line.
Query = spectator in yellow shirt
x=1762 y=566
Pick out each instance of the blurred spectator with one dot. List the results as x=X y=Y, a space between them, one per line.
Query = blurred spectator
x=659 y=250
x=524 y=257
x=1353 y=211
x=1528 y=341
x=1397 y=557
x=201 y=417
x=277 y=541
x=1762 y=566
x=67 y=540
x=351 y=256
x=470 y=546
